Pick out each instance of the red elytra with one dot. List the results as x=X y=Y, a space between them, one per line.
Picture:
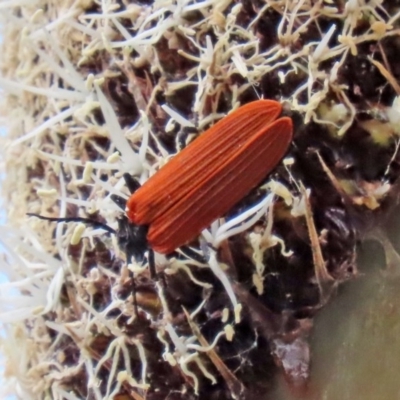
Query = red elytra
x=208 y=177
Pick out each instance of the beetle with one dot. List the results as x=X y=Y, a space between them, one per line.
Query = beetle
x=202 y=182
x=209 y=176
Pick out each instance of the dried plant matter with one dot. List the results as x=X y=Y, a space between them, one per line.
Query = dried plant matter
x=95 y=89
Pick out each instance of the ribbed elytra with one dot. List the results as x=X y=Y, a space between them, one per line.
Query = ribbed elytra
x=208 y=177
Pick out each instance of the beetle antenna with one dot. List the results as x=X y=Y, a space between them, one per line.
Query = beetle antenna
x=88 y=221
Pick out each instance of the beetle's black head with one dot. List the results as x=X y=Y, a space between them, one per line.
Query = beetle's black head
x=132 y=239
